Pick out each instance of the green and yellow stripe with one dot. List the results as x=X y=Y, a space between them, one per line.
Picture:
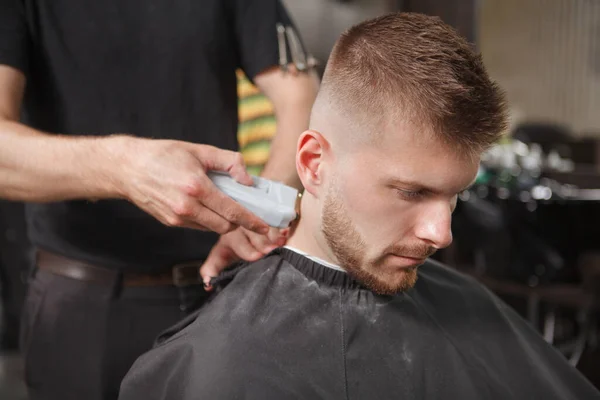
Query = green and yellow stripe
x=257 y=124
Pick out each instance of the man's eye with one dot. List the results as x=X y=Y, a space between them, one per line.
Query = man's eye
x=407 y=194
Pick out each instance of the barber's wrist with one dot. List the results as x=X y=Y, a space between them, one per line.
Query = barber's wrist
x=114 y=164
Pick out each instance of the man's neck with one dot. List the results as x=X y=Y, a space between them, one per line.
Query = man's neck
x=307 y=236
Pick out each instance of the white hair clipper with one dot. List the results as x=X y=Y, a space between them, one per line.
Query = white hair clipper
x=273 y=202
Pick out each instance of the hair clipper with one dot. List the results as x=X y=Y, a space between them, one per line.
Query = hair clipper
x=273 y=202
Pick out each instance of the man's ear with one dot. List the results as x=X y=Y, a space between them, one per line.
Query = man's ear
x=309 y=160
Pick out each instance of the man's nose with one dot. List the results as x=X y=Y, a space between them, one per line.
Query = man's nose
x=435 y=226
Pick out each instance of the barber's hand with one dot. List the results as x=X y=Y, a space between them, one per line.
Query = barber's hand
x=237 y=245
x=167 y=179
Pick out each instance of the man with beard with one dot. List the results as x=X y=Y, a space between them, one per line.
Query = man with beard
x=351 y=307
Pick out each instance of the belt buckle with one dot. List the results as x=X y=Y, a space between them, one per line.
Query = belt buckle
x=187 y=274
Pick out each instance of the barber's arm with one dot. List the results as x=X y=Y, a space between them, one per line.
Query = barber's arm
x=256 y=28
x=292 y=95
x=164 y=178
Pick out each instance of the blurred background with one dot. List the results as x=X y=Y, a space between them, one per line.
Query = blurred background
x=529 y=228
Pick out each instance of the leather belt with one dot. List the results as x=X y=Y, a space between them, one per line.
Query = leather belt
x=180 y=275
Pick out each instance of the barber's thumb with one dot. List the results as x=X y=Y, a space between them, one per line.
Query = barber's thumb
x=228 y=161
x=218 y=259
x=239 y=173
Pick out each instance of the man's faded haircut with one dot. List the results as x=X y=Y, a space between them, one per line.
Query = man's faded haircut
x=415 y=67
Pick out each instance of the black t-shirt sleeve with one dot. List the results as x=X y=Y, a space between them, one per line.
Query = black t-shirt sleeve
x=14 y=40
x=256 y=33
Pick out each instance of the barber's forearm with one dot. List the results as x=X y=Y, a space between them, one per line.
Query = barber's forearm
x=282 y=160
x=38 y=167
x=292 y=95
x=292 y=119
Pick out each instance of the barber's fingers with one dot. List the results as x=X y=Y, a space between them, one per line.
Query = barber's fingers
x=278 y=235
x=231 y=162
x=239 y=243
x=239 y=173
x=261 y=242
x=266 y=243
x=230 y=248
x=219 y=258
x=213 y=158
x=215 y=200
x=189 y=212
x=178 y=215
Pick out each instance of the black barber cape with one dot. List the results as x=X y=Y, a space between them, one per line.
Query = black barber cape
x=286 y=327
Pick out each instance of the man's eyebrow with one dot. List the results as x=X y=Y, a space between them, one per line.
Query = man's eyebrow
x=419 y=187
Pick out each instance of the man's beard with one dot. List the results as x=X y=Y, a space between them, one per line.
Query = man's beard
x=350 y=249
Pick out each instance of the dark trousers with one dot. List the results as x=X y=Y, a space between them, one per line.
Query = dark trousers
x=79 y=339
x=15 y=262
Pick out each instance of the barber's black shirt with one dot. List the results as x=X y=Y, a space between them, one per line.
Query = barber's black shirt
x=150 y=68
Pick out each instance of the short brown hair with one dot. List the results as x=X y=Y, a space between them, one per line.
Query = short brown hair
x=425 y=70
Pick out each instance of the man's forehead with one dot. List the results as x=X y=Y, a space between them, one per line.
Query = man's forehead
x=404 y=128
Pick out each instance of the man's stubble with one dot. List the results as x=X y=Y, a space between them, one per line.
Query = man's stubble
x=349 y=248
